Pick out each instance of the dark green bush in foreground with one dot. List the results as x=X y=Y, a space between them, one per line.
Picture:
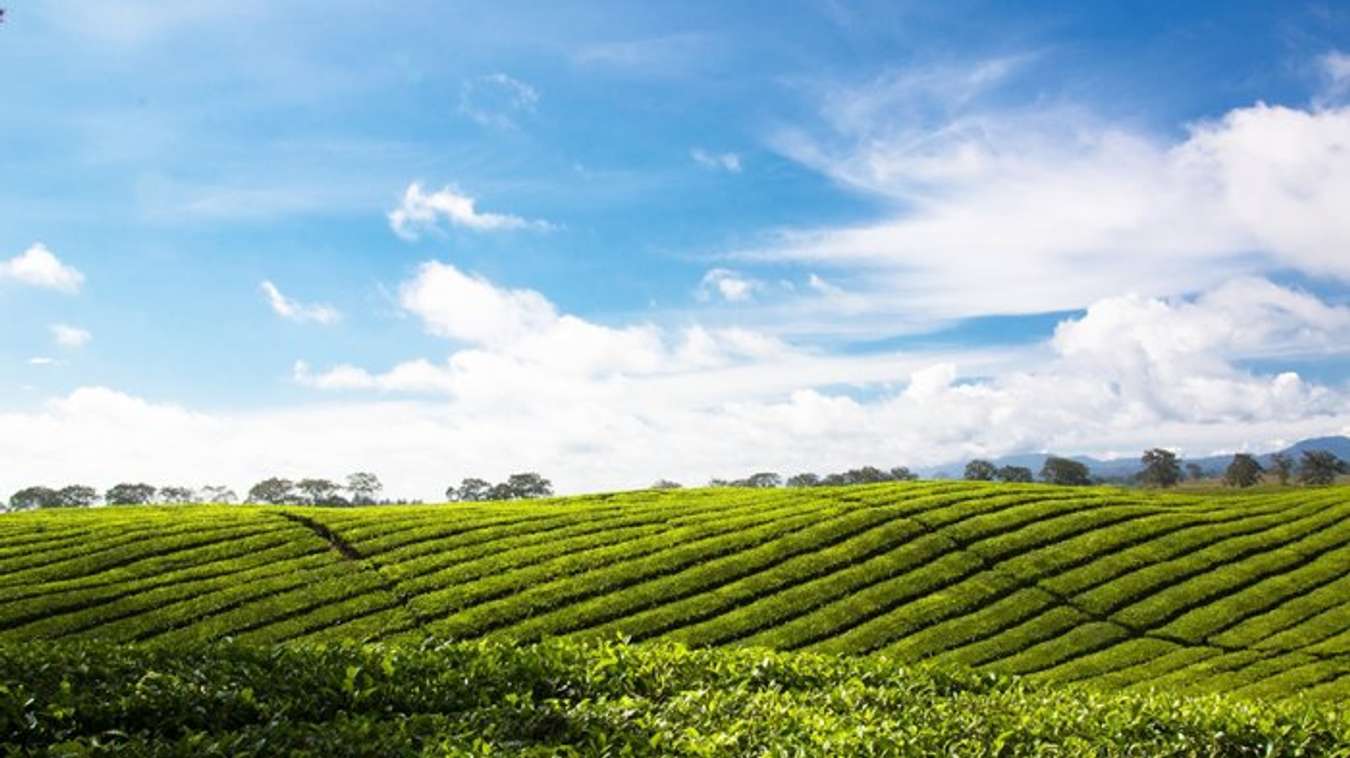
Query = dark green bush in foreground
x=611 y=699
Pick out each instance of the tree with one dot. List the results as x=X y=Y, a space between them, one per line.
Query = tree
x=75 y=496
x=33 y=497
x=177 y=495
x=275 y=491
x=1058 y=470
x=528 y=485
x=763 y=480
x=364 y=488
x=218 y=493
x=980 y=470
x=1244 y=471
x=1161 y=468
x=129 y=494
x=805 y=479
x=1020 y=474
x=319 y=492
x=1194 y=472
x=1319 y=467
x=471 y=490
x=1283 y=466
x=666 y=484
x=866 y=475
x=902 y=474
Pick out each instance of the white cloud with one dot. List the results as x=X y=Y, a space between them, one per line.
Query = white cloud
x=70 y=336
x=41 y=360
x=818 y=284
x=293 y=310
x=496 y=100
x=731 y=286
x=469 y=308
x=725 y=161
x=1021 y=211
x=417 y=376
x=598 y=407
x=421 y=211
x=38 y=267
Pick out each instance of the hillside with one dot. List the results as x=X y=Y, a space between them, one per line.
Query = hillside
x=1240 y=593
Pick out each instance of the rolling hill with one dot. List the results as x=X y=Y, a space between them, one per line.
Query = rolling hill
x=1245 y=593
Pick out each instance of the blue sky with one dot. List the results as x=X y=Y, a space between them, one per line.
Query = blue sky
x=623 y=241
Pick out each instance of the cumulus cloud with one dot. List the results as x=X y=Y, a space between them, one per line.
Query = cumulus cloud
x=421 y=211
x=496 y=100
x=293 y=310
x=1047 y=208
x=598 y=407
x=70 y=336
x=731 y=286
x=725 y=161
x=38 y=267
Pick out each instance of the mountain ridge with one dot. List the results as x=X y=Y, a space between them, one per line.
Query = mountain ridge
x=1115 y=468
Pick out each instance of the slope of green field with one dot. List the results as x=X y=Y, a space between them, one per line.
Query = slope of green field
x=1242 y=594
x=561 y=698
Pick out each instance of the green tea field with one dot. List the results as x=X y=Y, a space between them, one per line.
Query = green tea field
x=1120 y=589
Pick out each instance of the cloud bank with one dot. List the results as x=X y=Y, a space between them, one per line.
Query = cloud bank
x=527 y=386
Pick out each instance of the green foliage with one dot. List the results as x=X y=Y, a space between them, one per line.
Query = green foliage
x=1319 y=467
x=980 y=470
x=1243 y=591
x=75 y=496
x=1161 y=468
x=1244 y=471
x=524 y=486
x=129 y=494
x=600 y=699
x=1064 y=471
x=275 y=491
x=1283 y=466
x=33 y=497
x=320 y=492
x=364 y=487
x=1017 y=474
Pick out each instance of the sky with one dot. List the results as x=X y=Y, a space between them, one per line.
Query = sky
x=620 y=242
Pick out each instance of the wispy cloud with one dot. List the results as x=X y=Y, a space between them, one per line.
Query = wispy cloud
x=731 y=286
x=998 y=211
x=293 y=310
x=38 y=267
x=1336 y=68
x=42 y=360
x=497 y=100
x=70 y=336
x=421 y=210
x=725 y=161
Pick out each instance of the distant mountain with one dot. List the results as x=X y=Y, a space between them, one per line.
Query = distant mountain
x=1112 y=468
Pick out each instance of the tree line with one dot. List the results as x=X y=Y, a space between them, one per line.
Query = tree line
x=361 y=488
x=1161 y=468
x=1314 y=468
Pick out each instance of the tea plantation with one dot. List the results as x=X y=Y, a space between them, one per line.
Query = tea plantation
x=1191 y=624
